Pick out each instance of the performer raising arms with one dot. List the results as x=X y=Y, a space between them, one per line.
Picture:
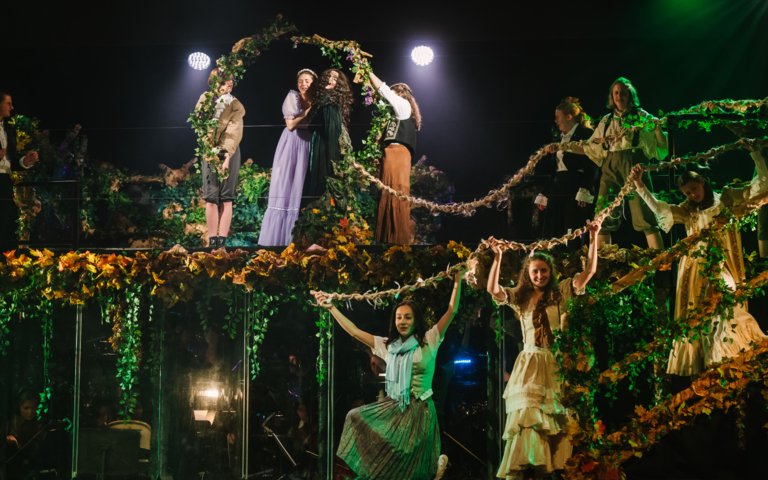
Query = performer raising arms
x=729 y=337
x=398 y=437
x=536 y=442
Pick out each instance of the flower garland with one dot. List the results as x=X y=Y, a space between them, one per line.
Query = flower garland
x=233 y=65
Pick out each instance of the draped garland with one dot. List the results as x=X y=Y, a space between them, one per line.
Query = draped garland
x=173 y=276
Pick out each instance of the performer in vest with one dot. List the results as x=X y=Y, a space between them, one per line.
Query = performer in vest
x=10 y=161
x=568 y=203
x=615 y=146
x=393 y=224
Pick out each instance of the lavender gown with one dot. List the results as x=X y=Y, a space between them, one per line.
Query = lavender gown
x=288 y=170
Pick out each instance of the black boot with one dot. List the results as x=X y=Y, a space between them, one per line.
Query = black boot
x=213 y=242
x=222 y=242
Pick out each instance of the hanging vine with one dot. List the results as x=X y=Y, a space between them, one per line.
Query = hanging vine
x=262 y=307
x=45 y=313
x=324 y=333
x=126 y=340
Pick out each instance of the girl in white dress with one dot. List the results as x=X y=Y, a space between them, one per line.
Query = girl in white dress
x=726 y=338
x=536 y=442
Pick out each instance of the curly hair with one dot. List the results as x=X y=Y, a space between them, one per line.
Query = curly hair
x=419 y=325
x=522 y=292
x=340 y=95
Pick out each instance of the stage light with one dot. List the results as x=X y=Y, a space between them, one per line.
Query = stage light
x=198 y=60
x=462 y=361
x=210 y=393
x=422 y=55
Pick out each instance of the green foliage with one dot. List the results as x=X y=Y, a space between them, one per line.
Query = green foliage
x=44 y=311
x=603 y=329
x=324 y=324
x=128 y=332
x=431 y=184
x=232 y=65
x=262 y=307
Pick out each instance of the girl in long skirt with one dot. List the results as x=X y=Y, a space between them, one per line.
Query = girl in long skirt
x=536 y=441
x=398 y=437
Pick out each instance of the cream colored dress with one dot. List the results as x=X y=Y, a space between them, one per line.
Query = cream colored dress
x=729 y=337
x=534 y=432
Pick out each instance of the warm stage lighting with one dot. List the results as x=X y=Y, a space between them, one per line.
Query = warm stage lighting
x=198 y=60
x=422 y=55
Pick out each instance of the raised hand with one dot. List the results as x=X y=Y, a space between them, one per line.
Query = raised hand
x=637 y=176
x=322 y=300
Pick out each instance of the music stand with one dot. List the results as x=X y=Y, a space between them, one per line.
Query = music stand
x=108 y=452
x=271 y=433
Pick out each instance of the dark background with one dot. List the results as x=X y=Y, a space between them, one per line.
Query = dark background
x=488 y=98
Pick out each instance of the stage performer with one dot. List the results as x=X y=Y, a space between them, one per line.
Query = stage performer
x=393 y=223
x=536 y=441
x=331 y=105
x=726 y=337
x=289 y=165
x=219 y=194
x=10 y=161
x=615 y=146
x=571 y=191
x=398 y=437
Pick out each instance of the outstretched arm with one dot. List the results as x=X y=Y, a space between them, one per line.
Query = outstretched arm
x=375 y=81
x=580 y=280
x=666 y=214
x=453 y=304
x=493 y=286
x=345 y=323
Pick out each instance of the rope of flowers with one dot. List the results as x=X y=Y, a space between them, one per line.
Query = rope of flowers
x=499 y=196
x=377 y=297
x=495 y=197
x=706 y=156
x=710 y=107
x=665 y=257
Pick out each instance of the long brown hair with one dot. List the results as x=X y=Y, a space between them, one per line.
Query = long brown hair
x=524 y=289
x=419 y=325
x=634 y=100
x=405 y=91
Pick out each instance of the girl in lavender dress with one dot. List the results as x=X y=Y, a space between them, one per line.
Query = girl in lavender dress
x=289 y=166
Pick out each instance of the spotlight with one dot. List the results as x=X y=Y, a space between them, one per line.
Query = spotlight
x=198 y=60
x=422 y=55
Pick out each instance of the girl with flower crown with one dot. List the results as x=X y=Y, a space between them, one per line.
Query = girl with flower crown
x=398 y=437
x=289 y=165
x=535 y=432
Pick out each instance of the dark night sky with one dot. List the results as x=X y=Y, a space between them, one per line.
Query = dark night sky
x=487 y=100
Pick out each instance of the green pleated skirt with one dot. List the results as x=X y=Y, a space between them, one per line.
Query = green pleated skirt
x=379 y=442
